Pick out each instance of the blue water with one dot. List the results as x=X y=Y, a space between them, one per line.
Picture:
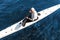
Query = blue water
x=12 y=11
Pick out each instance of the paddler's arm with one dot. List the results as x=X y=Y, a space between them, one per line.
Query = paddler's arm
x=29 y=18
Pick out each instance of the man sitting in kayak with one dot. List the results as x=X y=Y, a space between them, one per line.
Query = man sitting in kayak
x=32 y=17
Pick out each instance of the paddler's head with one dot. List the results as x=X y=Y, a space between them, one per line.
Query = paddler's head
x=32 y=10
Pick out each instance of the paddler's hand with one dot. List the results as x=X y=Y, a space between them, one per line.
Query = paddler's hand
x=27 y=17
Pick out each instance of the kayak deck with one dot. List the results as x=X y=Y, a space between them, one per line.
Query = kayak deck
x=44 y=13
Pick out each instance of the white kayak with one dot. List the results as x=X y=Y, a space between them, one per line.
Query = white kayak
x=11 y=29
